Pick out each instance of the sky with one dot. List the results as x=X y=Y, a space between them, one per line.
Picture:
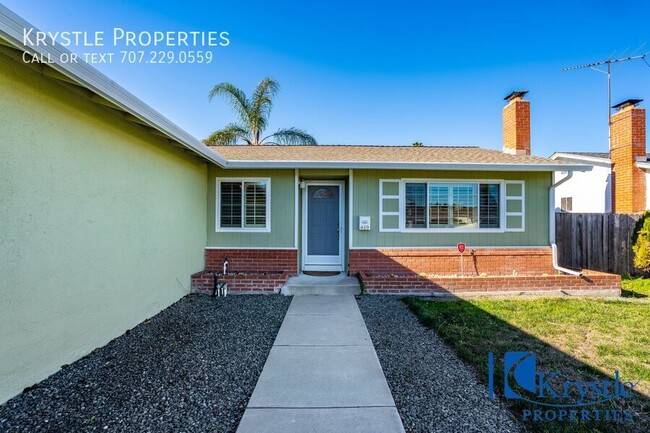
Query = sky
x=385 y=72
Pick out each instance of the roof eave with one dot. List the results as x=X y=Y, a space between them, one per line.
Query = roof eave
x=577 y=157
x=11 y=30
x=409 y=165
x=643 y=165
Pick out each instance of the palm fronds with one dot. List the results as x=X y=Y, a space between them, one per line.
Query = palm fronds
x=235 y=97
x=253 y=115
x=291 y=136
x=228 y=135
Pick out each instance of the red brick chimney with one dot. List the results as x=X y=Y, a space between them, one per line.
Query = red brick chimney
x=628 y=137
x=516 y=124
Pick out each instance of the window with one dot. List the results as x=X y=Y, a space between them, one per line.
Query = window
x=230 y=204
x=438 y=206
x=416 y=205
x=465 y=206
x=566 y=204
x=452 y=205
x=489 y=205
x=243 y=205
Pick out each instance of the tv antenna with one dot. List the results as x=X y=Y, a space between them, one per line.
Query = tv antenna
x=608 y=72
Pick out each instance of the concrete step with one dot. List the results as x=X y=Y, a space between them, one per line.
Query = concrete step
x=340 y=284
x=320 y=290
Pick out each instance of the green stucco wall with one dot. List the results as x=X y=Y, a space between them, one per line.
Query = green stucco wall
x=366 y=202
x=282 y=211
x=101 y=225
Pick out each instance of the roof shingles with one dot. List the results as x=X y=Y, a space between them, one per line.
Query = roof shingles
x=602 y=155
x=376 y=154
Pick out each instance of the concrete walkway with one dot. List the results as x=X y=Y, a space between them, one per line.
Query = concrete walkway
x=322 y=375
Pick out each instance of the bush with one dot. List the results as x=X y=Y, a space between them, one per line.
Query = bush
x=641 y=243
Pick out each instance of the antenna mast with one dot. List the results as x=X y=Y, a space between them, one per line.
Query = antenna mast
x=608 y=72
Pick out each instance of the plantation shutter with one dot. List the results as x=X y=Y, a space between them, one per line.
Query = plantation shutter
x=231 y=204
x=255 y=205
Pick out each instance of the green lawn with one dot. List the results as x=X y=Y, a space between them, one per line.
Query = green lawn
x=636 y=287
x=583 y=339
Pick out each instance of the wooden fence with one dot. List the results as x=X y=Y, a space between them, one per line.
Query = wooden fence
x=601 y=242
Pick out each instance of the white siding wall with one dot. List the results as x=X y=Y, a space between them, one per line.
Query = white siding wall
x=591 y=190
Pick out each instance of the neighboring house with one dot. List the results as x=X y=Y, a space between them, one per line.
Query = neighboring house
x=108 y=212
x=626 y=170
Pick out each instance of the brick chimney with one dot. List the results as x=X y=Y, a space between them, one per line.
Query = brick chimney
x=628 y=137
x=516 y=124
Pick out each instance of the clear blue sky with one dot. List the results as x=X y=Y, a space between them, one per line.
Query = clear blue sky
x=386 y=72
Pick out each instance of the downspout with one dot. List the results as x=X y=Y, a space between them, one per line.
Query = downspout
x=551 y=224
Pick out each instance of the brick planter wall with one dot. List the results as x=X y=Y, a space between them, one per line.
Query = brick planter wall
x=492 y=261
x=412 y=283
x=241 y=283
x=249 y=270
x=249 y=260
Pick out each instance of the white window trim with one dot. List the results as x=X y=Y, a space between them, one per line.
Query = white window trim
x=521 y=198
x=217 y=221
x=397 y=197
x=402 y=209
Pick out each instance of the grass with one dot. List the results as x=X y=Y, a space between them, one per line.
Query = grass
x=583 y=339
x=635 y=287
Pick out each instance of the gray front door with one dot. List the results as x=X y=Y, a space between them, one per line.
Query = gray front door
x=323 y=238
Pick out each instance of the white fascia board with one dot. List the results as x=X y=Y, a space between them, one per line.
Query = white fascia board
x=605 y=162
x=409 y=165
x=643 y=165
x=12 y=29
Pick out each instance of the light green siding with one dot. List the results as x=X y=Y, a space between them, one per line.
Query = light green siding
x=101 y=225
x=282 y=211
x=323 y=173
x=366 y=202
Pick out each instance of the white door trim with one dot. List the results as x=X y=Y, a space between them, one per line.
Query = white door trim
x=318 y=263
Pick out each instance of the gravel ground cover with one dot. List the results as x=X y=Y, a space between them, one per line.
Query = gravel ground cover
x=434 y=390
x=191 y=368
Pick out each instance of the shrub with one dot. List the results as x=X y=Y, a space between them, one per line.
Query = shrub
x=641 y=243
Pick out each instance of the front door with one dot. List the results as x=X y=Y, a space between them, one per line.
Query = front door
x=323 y=226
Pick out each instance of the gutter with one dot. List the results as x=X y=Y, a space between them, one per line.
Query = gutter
x=551 y=225
x=409 y=165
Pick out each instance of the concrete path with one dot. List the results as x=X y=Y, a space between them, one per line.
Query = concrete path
x=322 y=375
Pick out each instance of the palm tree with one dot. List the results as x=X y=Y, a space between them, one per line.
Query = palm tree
x=253 y=116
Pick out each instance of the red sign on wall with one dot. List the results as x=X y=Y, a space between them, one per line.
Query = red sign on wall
x=461 y=247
